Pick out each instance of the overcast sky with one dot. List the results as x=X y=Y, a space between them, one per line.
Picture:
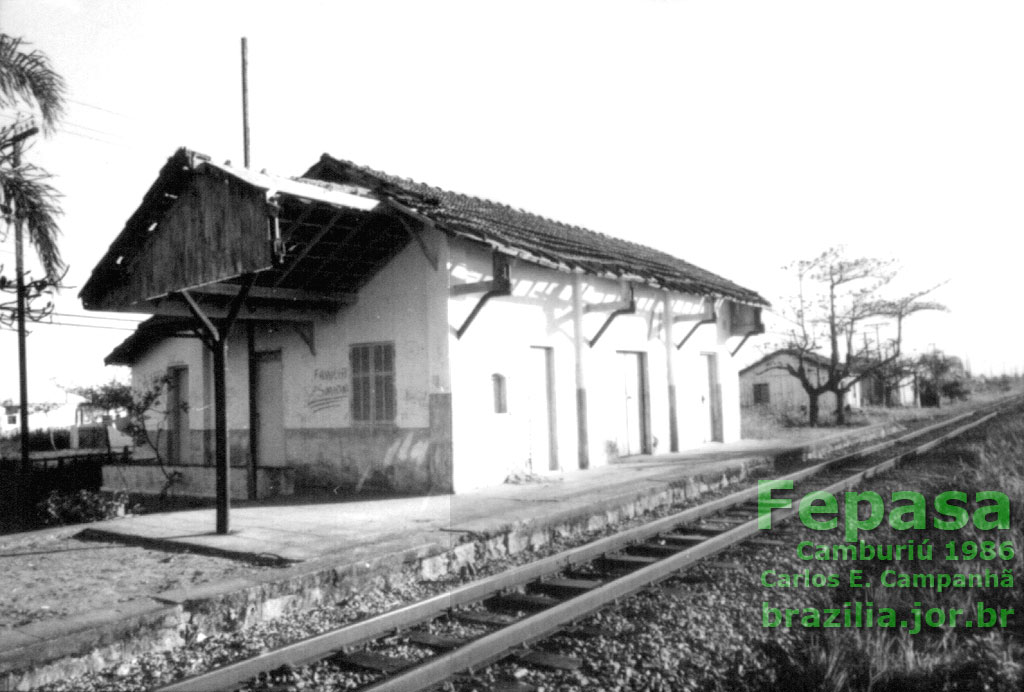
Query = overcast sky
x=739 y=136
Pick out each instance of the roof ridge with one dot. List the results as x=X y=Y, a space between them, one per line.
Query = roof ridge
x=536 y=232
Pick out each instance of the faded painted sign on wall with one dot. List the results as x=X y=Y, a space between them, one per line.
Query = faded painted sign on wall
x=328 y=390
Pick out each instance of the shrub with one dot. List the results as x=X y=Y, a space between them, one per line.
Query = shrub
x=82 y=506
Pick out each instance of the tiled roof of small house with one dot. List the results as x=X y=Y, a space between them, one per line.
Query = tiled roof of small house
x=535 y=237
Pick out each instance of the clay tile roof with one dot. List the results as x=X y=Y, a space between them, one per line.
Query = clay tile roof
x=535 y=237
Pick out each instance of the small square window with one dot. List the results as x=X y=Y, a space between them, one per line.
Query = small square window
x=500 y=393
x=761 y=395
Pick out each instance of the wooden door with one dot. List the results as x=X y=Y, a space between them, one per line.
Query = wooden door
x=541 y=409
x=711 y=399
x=270 y=450
x=634 y=423
x=178 y=451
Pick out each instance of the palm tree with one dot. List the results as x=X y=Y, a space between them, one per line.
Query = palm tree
x=28 y=78
x=28 y=203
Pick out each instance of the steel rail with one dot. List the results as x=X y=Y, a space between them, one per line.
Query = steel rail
x=496 y=645
x=319 y=646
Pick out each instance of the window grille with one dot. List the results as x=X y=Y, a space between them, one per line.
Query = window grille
x=373 y=383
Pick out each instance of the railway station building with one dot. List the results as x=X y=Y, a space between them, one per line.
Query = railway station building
x=354 y=331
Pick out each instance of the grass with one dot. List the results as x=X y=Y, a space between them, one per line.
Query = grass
x=892 y=660
x=760 y=423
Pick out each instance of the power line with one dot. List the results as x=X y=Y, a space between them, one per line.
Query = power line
x=95 y=139
x=87 y=327
x=90 y=129
x=64 y=123
x=105 y=110
x=97 y=317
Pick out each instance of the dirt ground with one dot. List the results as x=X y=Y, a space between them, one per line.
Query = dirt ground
x=52 y=574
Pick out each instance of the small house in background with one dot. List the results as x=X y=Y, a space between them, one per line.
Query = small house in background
x=11 y=422
x=398 y=337
x=42 y=416
x=82 y=425
x=876 y=391
x=767 y=383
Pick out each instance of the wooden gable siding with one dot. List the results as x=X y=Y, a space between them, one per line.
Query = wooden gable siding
x=216 y=230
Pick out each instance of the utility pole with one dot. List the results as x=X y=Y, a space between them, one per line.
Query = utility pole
x=13 y=137
x=245 y=98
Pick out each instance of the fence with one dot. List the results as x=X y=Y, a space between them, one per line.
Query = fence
x=65 y=471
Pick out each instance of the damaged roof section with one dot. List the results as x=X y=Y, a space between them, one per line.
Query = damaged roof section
x=202 y=227
x=535 y=238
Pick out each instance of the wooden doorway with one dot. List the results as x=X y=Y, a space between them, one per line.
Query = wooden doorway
x=541 y=406
x=634 y=434
x=269 y=399
x=711 y=399
x=178 y=451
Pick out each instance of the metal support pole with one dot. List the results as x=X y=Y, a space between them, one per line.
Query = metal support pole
x=581 y=389
x=220 y=417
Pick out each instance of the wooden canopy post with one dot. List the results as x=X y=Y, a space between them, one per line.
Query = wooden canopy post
x=254 y=416
x=217 y=341
x=673 y=423
x=578 y=340
x=220 y=424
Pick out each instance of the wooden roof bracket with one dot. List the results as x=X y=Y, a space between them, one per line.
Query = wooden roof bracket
x=206 y=330
x=413 y=232
x=306 y=332
x=623 y=307
x=708 y=320
x=500 y=285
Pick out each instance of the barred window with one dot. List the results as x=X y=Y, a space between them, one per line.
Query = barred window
x=373 y=383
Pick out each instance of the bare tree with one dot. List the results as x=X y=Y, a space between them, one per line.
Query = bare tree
x=891 y=367
x=836 y=295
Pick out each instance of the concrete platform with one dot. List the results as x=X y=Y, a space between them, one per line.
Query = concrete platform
x=330 y=549
x=349 y=530
x=317 y=531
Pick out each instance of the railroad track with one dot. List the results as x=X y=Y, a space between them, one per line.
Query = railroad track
x=528 y=603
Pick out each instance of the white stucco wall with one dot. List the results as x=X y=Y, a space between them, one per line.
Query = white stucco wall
x=489 y=446
x=396 y=306
x=153 y=365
